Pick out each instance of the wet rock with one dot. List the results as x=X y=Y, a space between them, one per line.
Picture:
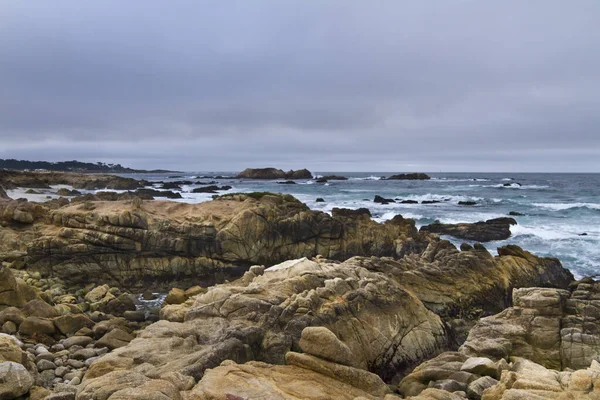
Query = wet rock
x=493 y=229
x=382 y=200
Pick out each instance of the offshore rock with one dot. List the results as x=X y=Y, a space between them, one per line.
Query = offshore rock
x=274 y=173
x=412 y=177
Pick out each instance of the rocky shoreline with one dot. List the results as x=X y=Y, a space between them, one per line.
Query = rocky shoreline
x=269 y=299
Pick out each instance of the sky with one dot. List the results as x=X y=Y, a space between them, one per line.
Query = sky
x=348 y=85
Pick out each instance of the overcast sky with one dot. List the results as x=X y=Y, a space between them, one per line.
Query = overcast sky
x=452 y=85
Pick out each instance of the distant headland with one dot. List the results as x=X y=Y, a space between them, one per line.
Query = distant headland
x=73 y=166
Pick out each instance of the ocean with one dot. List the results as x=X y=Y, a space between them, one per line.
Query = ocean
x=561 y=212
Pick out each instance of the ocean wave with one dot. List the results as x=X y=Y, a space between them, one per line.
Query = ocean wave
x=368 y=178
x=512 y=186
x=440 y=197
x=391 y=214
x=461 y=179
x=567 y=206
x=545 y=233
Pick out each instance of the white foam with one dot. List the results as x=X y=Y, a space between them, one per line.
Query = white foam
x=566 y=206
x=368 y=178
x=545 y=233
x=460 y=179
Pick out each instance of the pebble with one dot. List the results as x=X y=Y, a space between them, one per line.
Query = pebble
x=89 y=361
x=101 y=351
x=76 y=341
x=61 y=371
x=44 y=365
x=76 y=364
x=83 y=354
x=45 y=356
x=75 y=381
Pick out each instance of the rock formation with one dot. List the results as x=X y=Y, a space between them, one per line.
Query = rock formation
x=545 y=346
x=373 y=307
x=274 y=173
x=162 y=242
x=492 y=229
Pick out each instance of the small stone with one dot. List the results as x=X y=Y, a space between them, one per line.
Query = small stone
x=83 y=354
x=102 y=351
x=135 y=316
x=76 y=364
x=77 y=340
x=9 y=328
x=61 y=371
x=57 y=347
x=43 y=365
x=148 y=295
x=75 y=381
x=89 y=361
x=47 y=377
x=45 y=356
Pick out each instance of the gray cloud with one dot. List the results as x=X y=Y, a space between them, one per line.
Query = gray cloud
x=337 y=85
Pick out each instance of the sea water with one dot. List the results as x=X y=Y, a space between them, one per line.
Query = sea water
x=561 y=212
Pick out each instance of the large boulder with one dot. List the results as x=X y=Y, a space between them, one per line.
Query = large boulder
x=492 y=229
x=15 y=380
x=177 y=244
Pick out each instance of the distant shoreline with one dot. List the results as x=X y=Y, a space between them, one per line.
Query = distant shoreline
x=75 y=166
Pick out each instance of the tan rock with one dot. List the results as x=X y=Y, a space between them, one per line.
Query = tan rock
x=114 y=339
x=276 y=382
x=361 y=379
x=321 y=342
x=175 y=296
x=34 y=325
x=71 y=323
